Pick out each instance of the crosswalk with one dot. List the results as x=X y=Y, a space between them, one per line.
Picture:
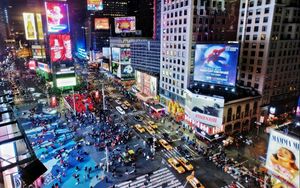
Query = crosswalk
x=237 y=184
x=160 y=178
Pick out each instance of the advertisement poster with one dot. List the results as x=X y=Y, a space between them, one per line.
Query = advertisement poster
x=105 y=66
x=125 y=24
x=125 y=55
x=127 y=72
x=216 y=63
x=57 y=17
x=44 y=67
x=106 y=52
x=139 y=78
x=205 y=109
x=38 y=51
x=283 y=158
x=146 y=84
x=64 y=82
x=153 y=86
x=101 y=23
x=29 y=24
x=115 y=54
x=115 y=69
x=60 y=48
x=39 y=25
x=32 y=65
x=95 y=5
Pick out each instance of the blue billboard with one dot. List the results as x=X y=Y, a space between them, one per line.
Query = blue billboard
x=216 y=63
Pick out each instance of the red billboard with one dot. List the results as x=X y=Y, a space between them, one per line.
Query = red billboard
x=60 y=47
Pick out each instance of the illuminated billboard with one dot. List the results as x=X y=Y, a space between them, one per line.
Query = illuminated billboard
x=205 y=109
x=106 y=52
x=65 y=82
x=32 y=65
x=216 y=63
x=283 y=158
x=60 y=47
x=125 y=55
x=44 y=67
x=125 y=24
x=105 y=66
x=115 y=54
x=39 y=25
x=298 y=108
x=147 y=84
x=116 y=69
x=127 y=72
x=57 y=17
x=29 y=25
x=95 y=5
x=101 y=23
x=38 y=51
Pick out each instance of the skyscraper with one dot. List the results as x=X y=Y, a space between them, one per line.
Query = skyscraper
x=183 y=24
x=269 y=31
x=3 y=25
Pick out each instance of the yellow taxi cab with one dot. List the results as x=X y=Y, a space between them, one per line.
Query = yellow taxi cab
x=194 y=182
x=127 y=103
x=184 y=162
x=176 y=165
x=152 y=124
x=150 y=130
x=165 y=144
x=139 y=128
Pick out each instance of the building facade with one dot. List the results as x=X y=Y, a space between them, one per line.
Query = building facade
x=183 y=24
x=269 y=31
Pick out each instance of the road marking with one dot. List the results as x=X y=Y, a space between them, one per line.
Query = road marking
x=135 y=145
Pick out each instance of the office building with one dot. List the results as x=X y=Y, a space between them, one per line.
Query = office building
x=270 y=33
x=183 y=24
x=157 y=19
x=3 y=25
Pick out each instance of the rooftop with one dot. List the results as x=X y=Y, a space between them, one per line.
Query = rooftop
x=229 y=93
x=292 y=129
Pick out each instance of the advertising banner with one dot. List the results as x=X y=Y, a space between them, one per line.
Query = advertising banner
x=116 y=69
x=60 y=47
x=64 y=82
x=39 y=25
x=106 y=52
x=32 y=65
x=153 y=86
x=105 y=66
x=146 y=83
x=95 y=5
x=127 y=72
x=204 y=109
x=298 y=108
x=139 y=80
x=38 y=51
x=29 y=24
x=283 y=158
x=57 y=17
x=44 y=67
x=125 y=24
x=125 y=55
x=101 y=23
x=115 y=54
x=216 y=63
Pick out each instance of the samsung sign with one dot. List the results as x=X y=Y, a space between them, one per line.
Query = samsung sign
x=204 y=109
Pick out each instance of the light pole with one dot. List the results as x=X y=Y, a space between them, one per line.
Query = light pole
x=74 y=108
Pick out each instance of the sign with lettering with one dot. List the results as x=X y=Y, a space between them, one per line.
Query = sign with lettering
x=283 y=158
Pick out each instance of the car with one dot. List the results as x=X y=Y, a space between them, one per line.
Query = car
x=167 y=137
x=184 y=162
x=118 y=102
x=176 y=165
x=194 y=182
x=31 y=89
x=152 y=124
x=139 y=128
x=138 y=118
x=150 y=130
x=124 y=107
x=165 y=144
x=120 y=110
x=184 y=152
x=127 y=103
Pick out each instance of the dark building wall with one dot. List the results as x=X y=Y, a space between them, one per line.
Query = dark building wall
x=157 y=19
x=145 y=56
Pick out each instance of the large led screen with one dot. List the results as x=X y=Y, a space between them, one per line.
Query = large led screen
x=65 y=82
x=101 y=23
x=95 y=5
x=125 y=55
x=127 y=72
x=205 y=109
x=116 y=69
x=216 y=63
x=29 y=24
x=115 y=54
x=57 y=17
x=39 y=25
x=283 y=158
x=60 y=48
x=125 y=24
x=146 y=83
x=38 y=51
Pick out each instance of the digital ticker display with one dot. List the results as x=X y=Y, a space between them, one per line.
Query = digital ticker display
x=216 y=63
